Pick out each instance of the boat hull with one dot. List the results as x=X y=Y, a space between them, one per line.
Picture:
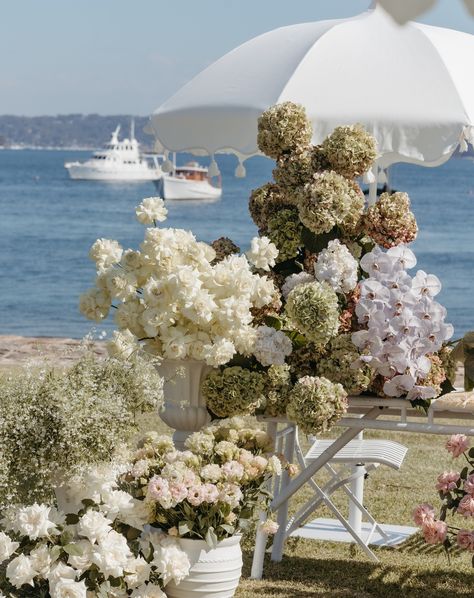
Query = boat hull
x=80 y=171
x=175 y=189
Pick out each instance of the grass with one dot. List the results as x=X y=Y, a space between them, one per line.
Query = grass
x=414 y=569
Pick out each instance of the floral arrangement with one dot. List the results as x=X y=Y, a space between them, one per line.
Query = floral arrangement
x=55 y=423
x=456 y=491
x=179 y=297
x=96 y=546
x=210 y=491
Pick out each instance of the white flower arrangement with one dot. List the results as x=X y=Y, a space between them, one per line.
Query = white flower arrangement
x=173 y=297
x=337 y=267
x=103 y=547
x=271 y=346
x=404 y=324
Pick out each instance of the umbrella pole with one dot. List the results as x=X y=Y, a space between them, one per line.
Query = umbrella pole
x=373 y=187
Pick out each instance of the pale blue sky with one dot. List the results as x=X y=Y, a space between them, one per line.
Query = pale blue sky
x=127 y=56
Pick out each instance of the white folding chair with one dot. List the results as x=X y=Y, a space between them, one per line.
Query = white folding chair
x=348 y=467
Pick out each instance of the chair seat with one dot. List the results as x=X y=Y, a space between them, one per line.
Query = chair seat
x=385 y=452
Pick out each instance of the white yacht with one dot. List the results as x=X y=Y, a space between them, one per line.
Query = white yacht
x=119 y=160
x=190 y=181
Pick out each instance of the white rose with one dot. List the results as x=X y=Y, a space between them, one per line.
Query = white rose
x=139 y=572
x=20 y=571
x=93 y=526
x=171 y=561
x=84 y=560
x=112 y=554
x=68 y=588
x=262 y=253
x=41 y=560
x=148 y=591
x=34 y=522
x=95 y=304
x=122 y=345
x=60 y=571
x=7 y=547
x=150 y=210
x=220 y=352
x=105 y=253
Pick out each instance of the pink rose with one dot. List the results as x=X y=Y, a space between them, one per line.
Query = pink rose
x=457 y=444
x=269 y=527
x=434 y=532
x=447 y=481
x=466 y=506
x=195 y=495
x=465 y=539
x=469 y=485
x=423 y=513
x=178 y=491
x=157 y=488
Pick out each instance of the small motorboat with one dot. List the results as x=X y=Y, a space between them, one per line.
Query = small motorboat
x=190 y=181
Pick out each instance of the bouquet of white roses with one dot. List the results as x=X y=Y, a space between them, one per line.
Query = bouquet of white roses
x=177 y=295
x=95 y=545
x=210 y=491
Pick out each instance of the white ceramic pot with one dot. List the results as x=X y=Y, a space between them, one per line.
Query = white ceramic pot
x=184 y=407
x=215 y=572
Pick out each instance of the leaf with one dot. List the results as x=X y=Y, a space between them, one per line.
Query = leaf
x=273 y=322
x=211 y=538
x=230 y=529
x=73 y=549
x=72 y=519
x=55 y=553
x=316 y=243
x=287 y=268
x=446 y=387
x=183 y=529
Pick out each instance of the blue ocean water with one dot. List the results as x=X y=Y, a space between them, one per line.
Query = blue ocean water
x=48 y=223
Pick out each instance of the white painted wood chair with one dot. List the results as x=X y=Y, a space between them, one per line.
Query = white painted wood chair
x=347 y=471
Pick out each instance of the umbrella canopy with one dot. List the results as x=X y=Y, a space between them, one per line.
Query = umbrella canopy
x=410 y=86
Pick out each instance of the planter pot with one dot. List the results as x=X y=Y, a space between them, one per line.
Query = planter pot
x=184 y=407
x=215 y=572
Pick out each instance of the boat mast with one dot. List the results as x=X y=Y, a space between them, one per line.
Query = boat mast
x=132 y=129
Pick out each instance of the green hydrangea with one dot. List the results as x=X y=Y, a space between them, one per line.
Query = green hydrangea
x=313 y=310
x=336 y=365
x=303 y=360
x=233 y=391
x=390 y=222
x=284 y=229
x=316 y=404
x=350 y=150
x=278 y=386
x=353 y=223
x=282 y=129
x=294 y=170
x=326 y=202
x=265 y=202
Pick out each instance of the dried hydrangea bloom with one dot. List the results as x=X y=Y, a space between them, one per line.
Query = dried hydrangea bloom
x=233 y=391
x=284 y=230
x=294 y=170
x=350 y=150
x=348 y=319
x=277 y=390
x=336 y=365
x=266 y=201
x=282 y=129
x=224 y=247
x=390 y=222
x=316 y=404
x=353 y=223
x=326 y=202
x=319 y=161
x=313 y=310
x=449 y=364
x=303 y=360
x=436 y=376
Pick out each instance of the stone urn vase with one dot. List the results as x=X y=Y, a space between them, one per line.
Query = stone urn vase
x=215 y=572
x=184 y=408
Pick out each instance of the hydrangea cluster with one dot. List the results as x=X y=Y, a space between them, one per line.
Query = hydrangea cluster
x=404 y=324
x=337 y=365
x=233 y=391
x=316 y=403
x=174 y=296
x=337 y=267
x=350 y=150
x=328 y=201
x=390 y=222
x=456 y=490
x=282 y=129
x=267 y=201
x=295 y=280
x=277 y=390
x=271 y=346
x=96 y=547
x=284 y=230
x=313 y=310
x=294 y=170
x=224 y=247
x=211 y=489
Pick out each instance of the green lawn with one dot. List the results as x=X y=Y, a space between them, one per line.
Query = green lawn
x=311 y=568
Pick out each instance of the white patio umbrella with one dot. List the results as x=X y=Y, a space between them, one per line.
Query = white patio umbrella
x=411 y=86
